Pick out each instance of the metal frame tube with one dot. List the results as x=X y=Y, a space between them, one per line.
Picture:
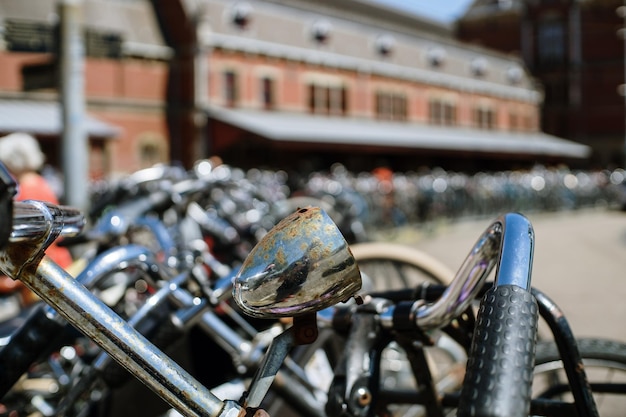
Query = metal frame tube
x=98 y=322
x=507 y=243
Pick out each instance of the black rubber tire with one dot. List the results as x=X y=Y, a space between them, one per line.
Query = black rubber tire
x=602 y=358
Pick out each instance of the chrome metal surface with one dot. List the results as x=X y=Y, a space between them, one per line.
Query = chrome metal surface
x=273 y=360
x=120 y=258
x=87 y=313
x=508 y=243
x=34 y=220
x=35 y=226
x=302 y=265
x=516 y=253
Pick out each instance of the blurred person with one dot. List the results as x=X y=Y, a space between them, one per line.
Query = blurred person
x=385 y=188
x=22 y=155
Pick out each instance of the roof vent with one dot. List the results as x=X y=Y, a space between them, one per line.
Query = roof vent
x=479 y=66
x=385 y=44
x=320 y=31
x=240 y=14
x=436 y=56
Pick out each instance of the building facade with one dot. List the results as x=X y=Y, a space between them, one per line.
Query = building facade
x=301 y=84
x=575 y=49
x=283 y=84
x=125 y=73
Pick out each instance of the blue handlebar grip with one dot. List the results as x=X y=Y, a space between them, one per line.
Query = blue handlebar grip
x=499 y=370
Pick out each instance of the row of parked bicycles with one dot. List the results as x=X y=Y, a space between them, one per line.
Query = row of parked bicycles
x=415 y=198
x=215 y=292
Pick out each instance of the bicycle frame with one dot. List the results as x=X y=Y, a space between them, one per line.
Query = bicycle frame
x=38 y=224
x=24 y=259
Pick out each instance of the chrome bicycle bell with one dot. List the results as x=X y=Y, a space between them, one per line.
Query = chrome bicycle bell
x=302 y=265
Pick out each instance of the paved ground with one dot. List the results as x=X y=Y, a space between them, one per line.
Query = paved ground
x=579 y=262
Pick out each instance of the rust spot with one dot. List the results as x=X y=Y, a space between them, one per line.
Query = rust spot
x=280 y=257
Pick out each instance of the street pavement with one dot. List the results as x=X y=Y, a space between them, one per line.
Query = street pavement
x=579 y=262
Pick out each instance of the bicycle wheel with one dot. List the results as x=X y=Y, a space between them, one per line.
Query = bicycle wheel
x=396 y=266
x=605 y=363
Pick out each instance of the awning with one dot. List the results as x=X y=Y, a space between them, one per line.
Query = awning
x=305 y=128
x=44 y=118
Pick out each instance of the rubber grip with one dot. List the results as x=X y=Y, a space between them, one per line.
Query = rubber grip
x=36 y=336
x=500 y=365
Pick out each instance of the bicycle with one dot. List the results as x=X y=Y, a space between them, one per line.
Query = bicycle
x=126 y=221
x=35 y=224
x=385 y=316
x=500 y=340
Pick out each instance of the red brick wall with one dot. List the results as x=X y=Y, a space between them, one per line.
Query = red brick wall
x=598 y=118
x=292 y=79
x=129 y=94
x=124 y=151
x=10 y=68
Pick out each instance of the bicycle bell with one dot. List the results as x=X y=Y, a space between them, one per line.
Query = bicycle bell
x=300 y=266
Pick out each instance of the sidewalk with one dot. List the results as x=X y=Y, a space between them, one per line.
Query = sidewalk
x=579 y=262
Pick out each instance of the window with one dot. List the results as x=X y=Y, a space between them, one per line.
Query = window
x=484 y=118
x=323 y=99
x=391 y=106
x=442 y=112
x=267 y=93
x=153 y=149
x=551 y=42
x=385 y=45
x=529 y=123
x=320 y=31
x=230 y=89
x=556 y=91
x=479 y=66
x=436 y=57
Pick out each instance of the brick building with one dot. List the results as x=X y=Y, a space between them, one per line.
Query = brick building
x=287 y=84
x=125 y=79
x=301 y=84
x=575 y=49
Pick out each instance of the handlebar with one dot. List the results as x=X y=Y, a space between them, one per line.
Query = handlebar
x=501 y=359
x=500 y=366
x=33 y=220
x=37 y=224
x=508 y=243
